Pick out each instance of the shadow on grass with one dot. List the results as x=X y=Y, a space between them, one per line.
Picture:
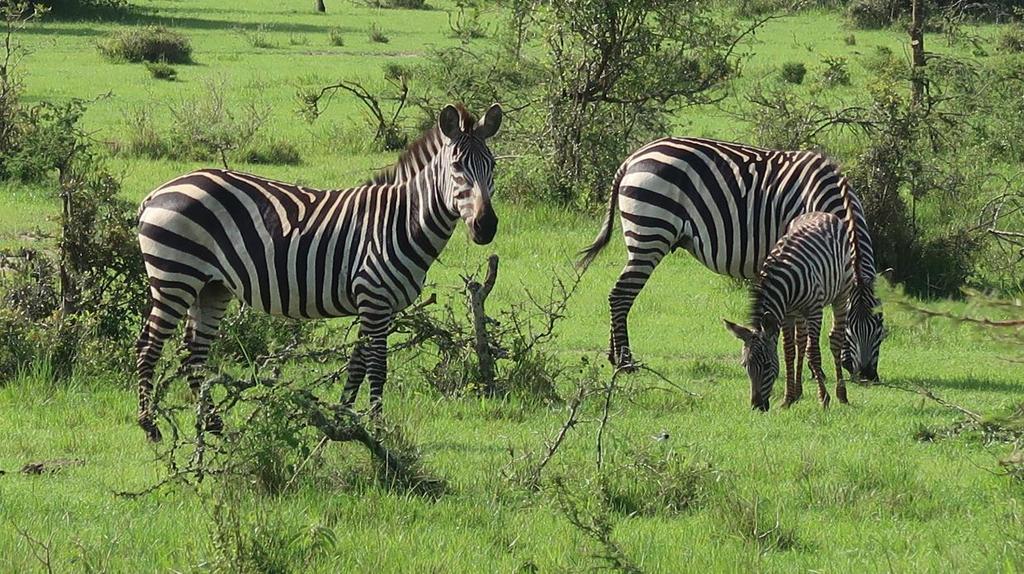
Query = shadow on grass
x=963 y=384
x=180 y=19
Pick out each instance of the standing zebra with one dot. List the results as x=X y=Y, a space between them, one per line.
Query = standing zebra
x=727 y=204
x=214 y=235
x=808 y=269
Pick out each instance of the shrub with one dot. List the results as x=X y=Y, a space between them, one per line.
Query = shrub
x=656 y=483
x=836 y=73
x=206 y=127
x=142 y=140
x=294 y=40
x=150 y=44
x=404 y=4
x=276 y=152
x=377 y=35
x=246 y=334
x=396 y=71
x=872 y=14
x=794 y=72
x=258 y=37
x=850 y=40
x=335 y=37
x=1011 y=39
x=161 y=71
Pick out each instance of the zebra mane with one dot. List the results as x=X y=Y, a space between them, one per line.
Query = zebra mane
x=856 y=257
x=419 y=153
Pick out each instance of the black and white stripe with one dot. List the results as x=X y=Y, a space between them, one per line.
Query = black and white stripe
x=215 y=235
x=727 y=204
x=809 y=268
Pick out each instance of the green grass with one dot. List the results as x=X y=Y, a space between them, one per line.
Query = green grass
x=851 y=488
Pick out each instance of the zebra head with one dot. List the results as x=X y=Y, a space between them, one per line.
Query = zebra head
x=471 y=166
x=865 y=330
x=760 y=358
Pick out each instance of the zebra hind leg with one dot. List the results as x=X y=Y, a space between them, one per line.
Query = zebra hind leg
x=204 y=317
x=631 y=281
x=166 y=311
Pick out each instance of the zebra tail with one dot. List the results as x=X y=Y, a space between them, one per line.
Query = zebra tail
x=605 y=235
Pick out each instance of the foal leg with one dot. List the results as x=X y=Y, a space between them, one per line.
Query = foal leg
x=814 y=355
x=789 y=350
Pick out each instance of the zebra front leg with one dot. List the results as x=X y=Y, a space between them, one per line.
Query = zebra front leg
x=356 y=373
x=788 y=349
x=814 y=356
x=800 y=342
x=836 y=340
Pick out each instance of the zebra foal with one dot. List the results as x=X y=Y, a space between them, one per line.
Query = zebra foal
x=810 y=267
x=214 y=235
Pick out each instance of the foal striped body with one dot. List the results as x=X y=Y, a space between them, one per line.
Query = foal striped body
x=809 y=269
x=727 y=204
x=215 y=235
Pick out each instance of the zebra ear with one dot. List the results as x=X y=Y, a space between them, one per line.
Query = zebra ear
x=450 y=122
x=489 y=124
x=739 y=331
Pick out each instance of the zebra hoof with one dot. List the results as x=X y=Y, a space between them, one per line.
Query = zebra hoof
x=152 y=432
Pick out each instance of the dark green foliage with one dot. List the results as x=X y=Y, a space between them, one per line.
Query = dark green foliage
x=794 y=72
x=142 y=138
x=246 y=334
x=872 y=14
x=836 y=72
x=377 y=35
x=401 y=4
x=1011 y=39
x=275 y=152
x=161 y=71
x=149 y=44
x=850 y=40
x=336 y=37
x=658 y=481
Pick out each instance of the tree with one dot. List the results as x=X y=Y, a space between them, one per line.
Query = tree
x=320 y=6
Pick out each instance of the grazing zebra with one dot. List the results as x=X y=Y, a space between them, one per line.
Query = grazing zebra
x=808 y=269
x=727 y=204
x=215 y=235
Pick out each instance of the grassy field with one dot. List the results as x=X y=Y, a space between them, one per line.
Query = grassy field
x=846 y=489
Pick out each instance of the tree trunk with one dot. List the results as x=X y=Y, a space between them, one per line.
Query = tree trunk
x=320 y=6
x=917 y=52
x=477 y=296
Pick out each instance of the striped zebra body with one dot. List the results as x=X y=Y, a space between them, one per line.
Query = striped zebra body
x=215 y=235
x=808 y=269
x=728 y=204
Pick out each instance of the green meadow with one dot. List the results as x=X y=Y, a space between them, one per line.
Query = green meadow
x=851 y=488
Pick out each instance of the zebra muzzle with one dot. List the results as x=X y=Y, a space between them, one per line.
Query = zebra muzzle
x=483 y=229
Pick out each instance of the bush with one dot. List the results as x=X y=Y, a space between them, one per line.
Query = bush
x=794 y=72
x=377 y=35
x=403 y=4
x=258 y=37
x=335 y=37
x=654 y=483
x=206 y=127
x=850 y=40
x=161 y=71
x=149 y=44
x=277 y=152
x=1011 y=39
x=836 y=73
x=143 y=140
x=246 y=334
x=872 y=14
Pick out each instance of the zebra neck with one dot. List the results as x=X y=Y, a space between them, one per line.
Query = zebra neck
x=431 y=222
x=768 y=309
